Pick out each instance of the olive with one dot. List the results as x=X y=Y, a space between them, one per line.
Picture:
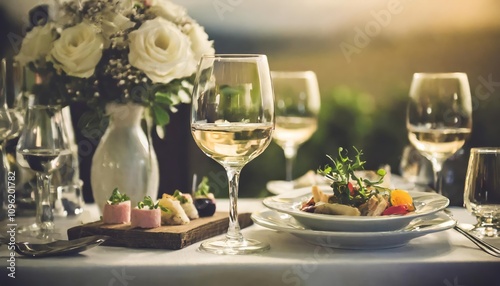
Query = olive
x=205 y=206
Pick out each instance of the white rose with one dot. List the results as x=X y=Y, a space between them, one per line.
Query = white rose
x=199 y=41
x=161 y=51
x=78 y=50
x=36 y=45
x=167 y=10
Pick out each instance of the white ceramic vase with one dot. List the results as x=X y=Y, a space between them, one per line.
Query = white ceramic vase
x=124 y=158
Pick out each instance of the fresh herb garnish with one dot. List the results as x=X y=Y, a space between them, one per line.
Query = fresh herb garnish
x=117 y=197
x=203 y=188
x=178 y=195
x=148 y=202
x=342 y=173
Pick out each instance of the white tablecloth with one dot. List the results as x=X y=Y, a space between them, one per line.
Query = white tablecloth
x=445 y=259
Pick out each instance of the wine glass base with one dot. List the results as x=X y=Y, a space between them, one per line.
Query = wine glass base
x=233 y=247
x=485 y=231
x=41 y=231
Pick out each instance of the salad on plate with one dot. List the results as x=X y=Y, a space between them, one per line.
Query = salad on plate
x=354 y=195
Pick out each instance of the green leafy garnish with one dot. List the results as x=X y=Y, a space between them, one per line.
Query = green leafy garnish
x=342 y=172
x=117 y=197
x=148 y=202
x=203 y=188
x=178 y=195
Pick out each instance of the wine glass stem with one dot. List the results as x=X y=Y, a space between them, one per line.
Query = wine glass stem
x=4 y=183
x=290 y=155
x=436 y=169
x=233 y=177
x=4 y=164
x=44 y=215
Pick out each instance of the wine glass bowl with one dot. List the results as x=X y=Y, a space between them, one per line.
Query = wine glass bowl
x=297 y=104
x=482 y=190
x=232 y=121
x=40 y=146
x=439 y=116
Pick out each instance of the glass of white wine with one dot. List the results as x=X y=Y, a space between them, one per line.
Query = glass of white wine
x=297 y=101
x=232 y=121
x=439 y=117
x=42 y=148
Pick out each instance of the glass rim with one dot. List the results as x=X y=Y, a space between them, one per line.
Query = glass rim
x=234 y=56
x=292 y=74
x=485 y=150
x=440 y=75
x=45 y=106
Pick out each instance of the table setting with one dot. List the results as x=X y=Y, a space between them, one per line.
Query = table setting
x=133 y=63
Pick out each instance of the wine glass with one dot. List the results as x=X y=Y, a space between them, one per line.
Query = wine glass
x=13 y=84
x=439 y=117
x=42 y=148
x=5 y=130
x=482 y=190
x=5 y=119
x=232 y=121
x=297 y=101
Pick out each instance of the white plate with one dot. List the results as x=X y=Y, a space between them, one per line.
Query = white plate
x=354 y=240
x=290 y=203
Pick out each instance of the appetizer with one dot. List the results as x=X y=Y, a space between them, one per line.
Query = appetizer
x=187 y=204
x=175 y=214
x=204 y=200
x=355 y=196
x=117 y=209
x=147 y=214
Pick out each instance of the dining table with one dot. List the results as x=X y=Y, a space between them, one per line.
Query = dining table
x=444 y=258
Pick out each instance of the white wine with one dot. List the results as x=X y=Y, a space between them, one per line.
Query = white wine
x=438 y=143
x=232 y=144
x=293 y=130
x=41 y=160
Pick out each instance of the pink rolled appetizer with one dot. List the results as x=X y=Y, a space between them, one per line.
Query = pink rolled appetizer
x=145 y=218
x=117 y=213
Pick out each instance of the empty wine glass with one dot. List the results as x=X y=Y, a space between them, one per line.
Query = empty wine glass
x=232 y=120
x=42 y=148
x=5 y=120
x=297 y=101
x=482 y=190
x=13 y=89
x=5 y=130
x=439 y=117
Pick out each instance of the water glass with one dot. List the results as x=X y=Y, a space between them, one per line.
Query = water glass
x=67 y=200
x=482 y=190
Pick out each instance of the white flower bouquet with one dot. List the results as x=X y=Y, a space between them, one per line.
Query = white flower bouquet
x=104 y=51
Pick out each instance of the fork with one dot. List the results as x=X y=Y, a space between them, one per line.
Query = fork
x=485 y=246
x=488 y=248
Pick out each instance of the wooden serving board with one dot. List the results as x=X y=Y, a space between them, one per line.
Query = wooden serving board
x=164 y=237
